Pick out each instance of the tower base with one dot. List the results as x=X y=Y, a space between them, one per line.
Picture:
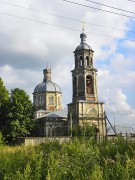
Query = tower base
x=91 y=112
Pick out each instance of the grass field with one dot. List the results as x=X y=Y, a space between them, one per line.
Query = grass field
x=79 y=159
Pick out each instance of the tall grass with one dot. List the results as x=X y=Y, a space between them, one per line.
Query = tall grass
x=79 y=159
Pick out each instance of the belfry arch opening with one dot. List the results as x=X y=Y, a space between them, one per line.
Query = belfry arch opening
x=81 y=61
x=89 y=84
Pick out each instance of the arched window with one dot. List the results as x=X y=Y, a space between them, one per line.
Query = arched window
x=87 y=61
x=51 y=100
x=81 y=61
x=89 y=85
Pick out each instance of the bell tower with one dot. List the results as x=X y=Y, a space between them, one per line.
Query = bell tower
x=84 y=74
x=85 y=107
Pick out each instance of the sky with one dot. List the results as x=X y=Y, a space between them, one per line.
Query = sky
x=31 y=39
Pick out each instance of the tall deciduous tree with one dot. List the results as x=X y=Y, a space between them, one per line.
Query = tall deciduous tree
x=4 y=107
x=21 y=118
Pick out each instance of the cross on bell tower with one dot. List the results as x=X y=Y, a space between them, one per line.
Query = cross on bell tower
x=83 y=25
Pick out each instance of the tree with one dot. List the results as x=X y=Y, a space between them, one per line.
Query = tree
x=85 y=130
x=89 y=130
x=76 y=130
x=4 y=107
x=4 y=94
x=21 y=119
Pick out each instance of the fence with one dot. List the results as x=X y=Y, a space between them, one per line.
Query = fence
x=39 y=140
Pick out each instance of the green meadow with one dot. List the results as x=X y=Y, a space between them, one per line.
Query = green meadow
x=79 y=159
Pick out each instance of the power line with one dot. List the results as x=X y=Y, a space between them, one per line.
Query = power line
x=110 y=6
x=131 y=0
x=98 y=9
x=118 y=113
x=59 y=16
x=130 y=111
x=64 y=27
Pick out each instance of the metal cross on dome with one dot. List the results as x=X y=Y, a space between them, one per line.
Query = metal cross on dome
x=83 y=25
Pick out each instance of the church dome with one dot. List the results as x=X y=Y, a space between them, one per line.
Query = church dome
x=47 y=86
x=83 y=45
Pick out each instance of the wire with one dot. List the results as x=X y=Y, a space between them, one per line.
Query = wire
x=51 y=14
x=112 y=114
x=121 y=112
x=131 y=0
x=110 y=6
x=98 y=9
x=64 y=27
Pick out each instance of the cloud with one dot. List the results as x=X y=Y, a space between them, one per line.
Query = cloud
x=26 y=48
x=18 y=78
x=129 y=44
x=116 y=101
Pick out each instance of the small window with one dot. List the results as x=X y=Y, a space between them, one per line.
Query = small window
x=51 y=100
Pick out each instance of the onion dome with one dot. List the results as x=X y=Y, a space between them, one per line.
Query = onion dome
x=47 y=86
x=83 y=45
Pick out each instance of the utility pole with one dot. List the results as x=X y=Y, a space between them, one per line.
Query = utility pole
x=110 y=124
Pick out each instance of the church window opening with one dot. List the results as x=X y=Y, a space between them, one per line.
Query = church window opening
x=89 y=88
x=51 y=100
x=87 y=61
x=81 y=61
